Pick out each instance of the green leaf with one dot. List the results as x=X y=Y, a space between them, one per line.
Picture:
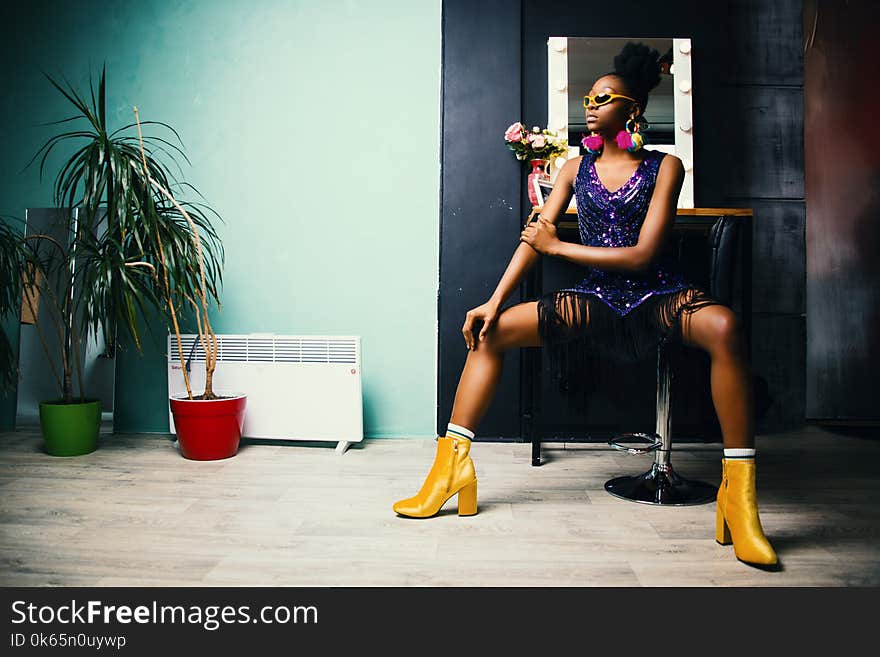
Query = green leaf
x=102 y=96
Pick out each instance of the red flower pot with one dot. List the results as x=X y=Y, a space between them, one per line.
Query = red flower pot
x=539 y=170
x=208 y=430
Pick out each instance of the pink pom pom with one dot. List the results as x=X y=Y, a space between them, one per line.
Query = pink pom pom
x=593 y=142
x=623 y=139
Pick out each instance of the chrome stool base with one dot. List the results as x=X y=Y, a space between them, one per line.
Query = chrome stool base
x=660 y=485
x=663 y=487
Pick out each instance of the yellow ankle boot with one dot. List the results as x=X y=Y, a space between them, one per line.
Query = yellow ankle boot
x=737 y=518
x=452 y=472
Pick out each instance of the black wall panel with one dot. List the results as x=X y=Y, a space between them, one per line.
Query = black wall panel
x=480 y=188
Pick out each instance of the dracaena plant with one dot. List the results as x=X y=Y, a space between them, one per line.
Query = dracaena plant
x=33 y=267
x=134 y=243
x=11 y=267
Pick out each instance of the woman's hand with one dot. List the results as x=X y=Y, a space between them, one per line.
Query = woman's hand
x=540 y=235
x=488 y=313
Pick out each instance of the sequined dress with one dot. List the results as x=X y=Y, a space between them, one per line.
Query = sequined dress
x=614 y=315
x=614 y=219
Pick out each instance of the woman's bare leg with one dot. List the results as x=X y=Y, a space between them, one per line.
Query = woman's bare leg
x=453 y=470
x=716 y=329
x=516 y=327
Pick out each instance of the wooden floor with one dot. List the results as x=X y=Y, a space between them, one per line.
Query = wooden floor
x=136 y=513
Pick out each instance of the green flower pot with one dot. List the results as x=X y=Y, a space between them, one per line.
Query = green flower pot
x=70 y=429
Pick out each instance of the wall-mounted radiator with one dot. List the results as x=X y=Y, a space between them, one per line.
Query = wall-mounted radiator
x=299 y=387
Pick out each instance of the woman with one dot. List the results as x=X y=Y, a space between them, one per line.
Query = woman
x=629 y=302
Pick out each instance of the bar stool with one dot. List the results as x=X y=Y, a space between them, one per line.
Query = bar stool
x=661 y=485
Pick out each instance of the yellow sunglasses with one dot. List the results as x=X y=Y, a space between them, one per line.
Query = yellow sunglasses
x=603 y=99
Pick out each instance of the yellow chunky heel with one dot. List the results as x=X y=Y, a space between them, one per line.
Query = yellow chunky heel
x=452 y=472
x=722 y=531
x=467 y=500
x=737 y=518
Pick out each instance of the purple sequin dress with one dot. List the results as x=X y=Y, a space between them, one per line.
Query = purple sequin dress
x=614 y=219
x=613 y=315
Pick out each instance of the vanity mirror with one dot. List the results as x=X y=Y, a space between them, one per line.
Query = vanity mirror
x=574 y=63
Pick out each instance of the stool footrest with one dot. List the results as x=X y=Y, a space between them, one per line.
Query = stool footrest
x=655 y=441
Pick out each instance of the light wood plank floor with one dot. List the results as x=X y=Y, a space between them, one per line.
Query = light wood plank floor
x=136 y=513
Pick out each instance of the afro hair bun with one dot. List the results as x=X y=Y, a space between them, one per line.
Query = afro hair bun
x=638 y=64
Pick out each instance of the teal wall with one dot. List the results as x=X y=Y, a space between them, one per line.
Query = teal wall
x=298 y=117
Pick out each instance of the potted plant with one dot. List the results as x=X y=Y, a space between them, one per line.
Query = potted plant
x=133 y=245
x=38 y=270
x=10 y=290
x=539 y=147
x=209 y=425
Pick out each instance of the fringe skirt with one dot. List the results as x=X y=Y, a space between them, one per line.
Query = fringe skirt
x=585 y=340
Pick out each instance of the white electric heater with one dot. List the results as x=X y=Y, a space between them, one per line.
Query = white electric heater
x=298 y=387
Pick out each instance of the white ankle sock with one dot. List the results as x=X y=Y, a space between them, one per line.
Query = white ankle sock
x=458 y=431
x=739 y=453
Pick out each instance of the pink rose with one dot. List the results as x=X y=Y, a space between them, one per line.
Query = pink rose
x=538 y=141
x=514 y=132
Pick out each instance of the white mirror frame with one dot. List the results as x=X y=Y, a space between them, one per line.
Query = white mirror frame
x=557 y=108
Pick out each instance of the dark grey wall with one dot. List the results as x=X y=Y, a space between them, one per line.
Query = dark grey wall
x=843 y=217
x=757 y=104
x=748 y=120
x=480 y=188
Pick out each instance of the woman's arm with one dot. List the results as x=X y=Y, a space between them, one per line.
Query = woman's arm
x=526 y=255
x=522 y=261
x=655 y=230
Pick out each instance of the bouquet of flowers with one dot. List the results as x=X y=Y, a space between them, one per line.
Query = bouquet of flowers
x=535 y=145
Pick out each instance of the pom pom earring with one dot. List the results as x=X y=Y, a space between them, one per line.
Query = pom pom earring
x=593 y=143
x=630 y=139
